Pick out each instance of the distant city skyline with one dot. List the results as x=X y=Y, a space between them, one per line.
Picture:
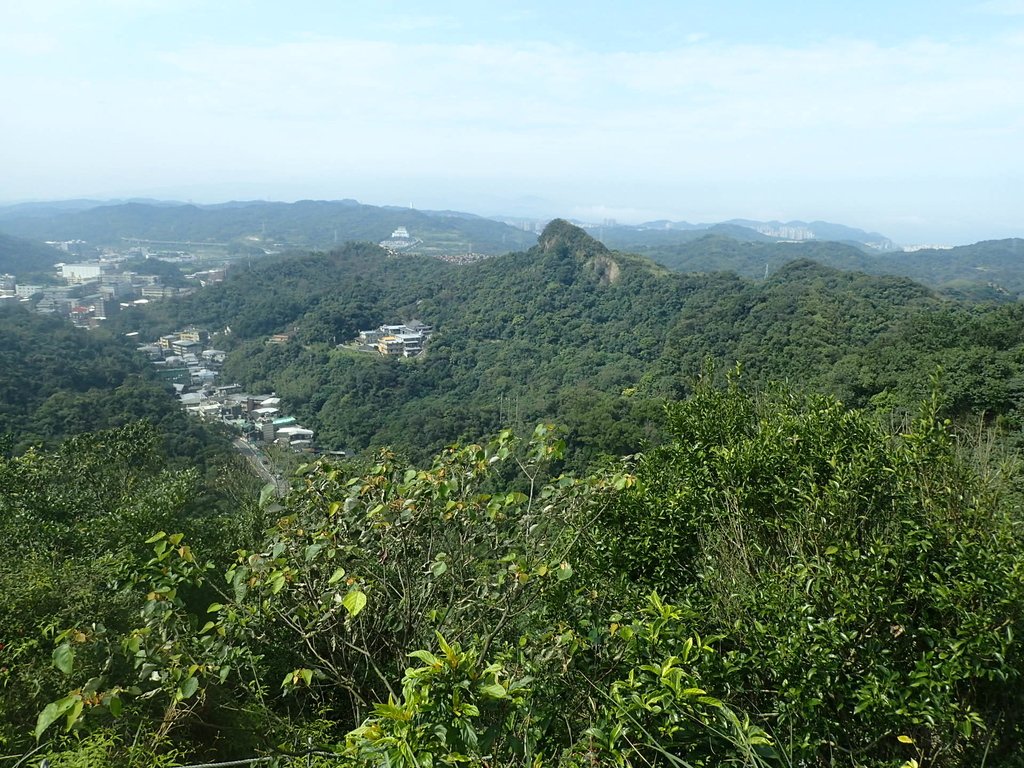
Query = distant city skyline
x=906 y=119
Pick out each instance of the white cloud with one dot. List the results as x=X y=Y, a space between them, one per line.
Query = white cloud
x=840 y=97
x=28 y=43
x=1003 y=7
x=707 y=113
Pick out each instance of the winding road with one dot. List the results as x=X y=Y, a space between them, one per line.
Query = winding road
x=260 y=463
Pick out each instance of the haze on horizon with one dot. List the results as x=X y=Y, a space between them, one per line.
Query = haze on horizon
x=906 y=119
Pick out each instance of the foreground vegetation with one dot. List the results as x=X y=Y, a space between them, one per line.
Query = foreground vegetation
x=784 y=581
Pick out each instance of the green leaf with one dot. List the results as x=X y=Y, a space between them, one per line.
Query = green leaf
x=52 y=712
x=493 y=691
x=64 y=658
x=188 y=688
x=114 y=705
x=564 y=571
x=277 y=583
x=904 y=739
x=155 y=538
x=354 y=602
x=74 y=712
x=337 y=576
x=439 y=568
x=426 y=657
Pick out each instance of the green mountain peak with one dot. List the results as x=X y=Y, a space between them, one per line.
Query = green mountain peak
x=559 y=236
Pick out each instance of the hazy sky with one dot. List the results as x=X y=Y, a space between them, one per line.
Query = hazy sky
x=901 y=117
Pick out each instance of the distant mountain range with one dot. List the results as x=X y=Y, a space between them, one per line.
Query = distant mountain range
x=991 y=269
x=664 y=232
x=307 y=224
x=321 y=223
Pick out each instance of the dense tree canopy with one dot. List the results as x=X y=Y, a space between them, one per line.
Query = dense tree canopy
x=783 y=581
x=696 y=570
x=57 y=381
x=572 y=331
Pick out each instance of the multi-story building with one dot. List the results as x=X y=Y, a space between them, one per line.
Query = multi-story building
x=405 y=340
x=88 y=272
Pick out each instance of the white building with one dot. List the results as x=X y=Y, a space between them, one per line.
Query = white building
x=82 y=273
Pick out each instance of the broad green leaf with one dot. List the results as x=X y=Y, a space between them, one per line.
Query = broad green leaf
x=64 y=658
x=52 y=712
x=354 y=602
x=337 y=576
x=426 y=657
x=277 y=583
x=188 y=688
x=494 y=691
x=74 y=712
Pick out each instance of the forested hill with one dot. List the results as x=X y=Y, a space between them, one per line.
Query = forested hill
x=18 y=256
x=775 y=580
x=57 y=381
x=305 y=224
x=991 y=270
x=591 y=338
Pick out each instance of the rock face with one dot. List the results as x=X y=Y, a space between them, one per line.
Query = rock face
x=573 y=249
x=563 y=238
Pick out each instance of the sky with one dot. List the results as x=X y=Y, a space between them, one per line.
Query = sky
x=905 y=118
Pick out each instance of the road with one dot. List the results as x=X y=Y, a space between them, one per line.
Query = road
x=258 y=461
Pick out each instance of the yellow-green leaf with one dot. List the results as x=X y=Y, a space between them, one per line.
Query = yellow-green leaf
x=354 y=602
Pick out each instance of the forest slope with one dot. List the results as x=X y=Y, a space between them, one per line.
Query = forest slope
x=18 y=256
x=993 y=269
x=592 y=337
x=57 y=381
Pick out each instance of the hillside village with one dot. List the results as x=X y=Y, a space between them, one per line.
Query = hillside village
x=189 y=362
